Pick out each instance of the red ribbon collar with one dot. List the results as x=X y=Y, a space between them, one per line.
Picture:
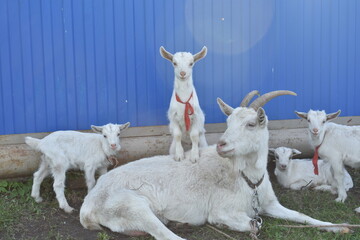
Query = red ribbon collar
x=189 y=110
x=316 y=158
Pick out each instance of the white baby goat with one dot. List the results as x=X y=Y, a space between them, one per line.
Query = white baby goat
x=338 y=144
x=64 y=150
x=220 y=188
x=298 y=173
x=185 y=115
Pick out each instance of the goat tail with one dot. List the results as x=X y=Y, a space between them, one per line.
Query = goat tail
x=33 y=142
x=87 y=220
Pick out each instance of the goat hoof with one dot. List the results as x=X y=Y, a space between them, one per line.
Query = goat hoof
x=38 y=199
x=68 y=209
x=178 y=158
x=357 y=210
x=340 y=199
x=194 y=159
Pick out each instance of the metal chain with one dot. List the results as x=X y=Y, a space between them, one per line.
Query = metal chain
x=306 y=186
x=257 y=221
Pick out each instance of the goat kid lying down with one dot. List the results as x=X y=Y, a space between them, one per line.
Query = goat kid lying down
x=297 y=174
x=220 y=188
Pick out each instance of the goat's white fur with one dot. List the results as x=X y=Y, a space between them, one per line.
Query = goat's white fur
x=183 y=63
x=340 y=144
x=298 y=173
x=145 y=194
x=64 y=150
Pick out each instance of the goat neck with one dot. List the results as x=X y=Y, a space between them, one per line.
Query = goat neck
x=318 y=139
x=184 y=88
x=254 y=166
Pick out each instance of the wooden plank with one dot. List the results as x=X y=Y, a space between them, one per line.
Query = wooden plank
x=18 y=160
x=164 y=130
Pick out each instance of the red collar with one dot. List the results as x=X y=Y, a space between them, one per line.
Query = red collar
x=189 y=110
x=315 y=160
x=316 y=157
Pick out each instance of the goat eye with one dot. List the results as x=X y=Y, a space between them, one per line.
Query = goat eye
x=118 y=134
x=191 y=64
x=251 y=125
x=308 y=120
x=324 y=121
x=175 y=64
x=105 y=136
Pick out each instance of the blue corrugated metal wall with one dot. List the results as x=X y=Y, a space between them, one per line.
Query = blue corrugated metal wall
x=71 y=63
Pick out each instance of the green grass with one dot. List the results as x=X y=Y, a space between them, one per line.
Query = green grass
x=15 y=203
x=20 y=215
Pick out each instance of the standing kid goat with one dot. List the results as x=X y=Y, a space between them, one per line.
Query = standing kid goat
x=229 y=185
x=64 y=150
x=185 y=115
x=335 y=143
x=298 y=173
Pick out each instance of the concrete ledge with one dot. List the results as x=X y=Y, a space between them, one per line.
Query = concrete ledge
x=18 y=160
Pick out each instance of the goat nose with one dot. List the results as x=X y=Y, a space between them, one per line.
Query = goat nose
x=182 y=73
x=315 y=130
x=221 y=144
x=113 y=145
x=283 y=166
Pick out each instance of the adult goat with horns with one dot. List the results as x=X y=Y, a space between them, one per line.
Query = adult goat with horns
x=221 y=188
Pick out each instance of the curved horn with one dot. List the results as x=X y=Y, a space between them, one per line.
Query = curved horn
x=248 y=98
x=262 y=100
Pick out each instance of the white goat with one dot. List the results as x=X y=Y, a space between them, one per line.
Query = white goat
x=336 y=143
x=298 y=173
x=220 y=188
x=185 y=115
x=63 y=150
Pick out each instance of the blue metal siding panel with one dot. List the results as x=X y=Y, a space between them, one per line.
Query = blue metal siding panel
x=349 y=65
x=16 y=66
x=130 y=62
x=90 y=62
x=49 y=67
x=80 y=65
x=68 y=23
x=69 y=64
x=7 y=81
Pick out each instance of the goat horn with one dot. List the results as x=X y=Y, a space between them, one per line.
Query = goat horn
x=248 y=98
x=262 y=100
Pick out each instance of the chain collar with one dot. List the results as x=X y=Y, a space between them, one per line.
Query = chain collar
x=257 y=221
x=250 y=183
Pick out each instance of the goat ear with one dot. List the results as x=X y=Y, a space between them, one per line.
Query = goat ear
x=165 y=54
x=226 y=109
x=261 y=116
x=200 y=54
x=96 y=129
x=332 y=115
x=295 y=152
x=124 y=126
x=272 y=152
x=301 y=114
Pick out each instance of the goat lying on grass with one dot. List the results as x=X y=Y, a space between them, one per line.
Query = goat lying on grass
x=220 y=188
x=64 y=150
x=338 y=144
x=298 y=173
x=185 y=115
